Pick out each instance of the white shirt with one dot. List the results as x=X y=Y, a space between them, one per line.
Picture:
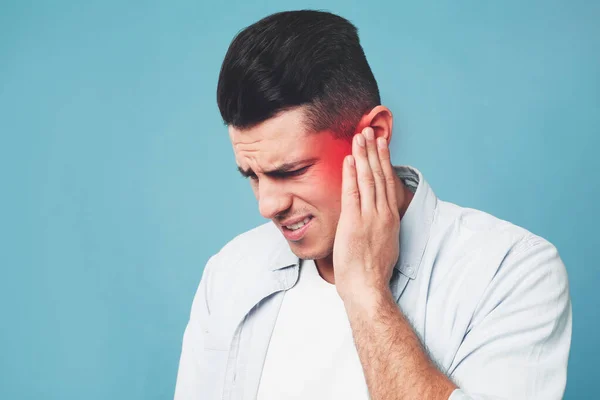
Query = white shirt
x=489 y=300
x=312 y=354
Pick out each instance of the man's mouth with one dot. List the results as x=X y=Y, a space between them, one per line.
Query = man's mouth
x=298 y=225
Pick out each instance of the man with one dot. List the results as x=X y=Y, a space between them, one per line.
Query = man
x=363 y=284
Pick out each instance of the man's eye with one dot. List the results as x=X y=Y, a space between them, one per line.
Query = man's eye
x=297 y=172
x=282 y=175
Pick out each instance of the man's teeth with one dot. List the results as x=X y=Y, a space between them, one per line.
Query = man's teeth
x=298 y=225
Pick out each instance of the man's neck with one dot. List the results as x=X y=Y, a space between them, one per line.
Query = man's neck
x=403 y=198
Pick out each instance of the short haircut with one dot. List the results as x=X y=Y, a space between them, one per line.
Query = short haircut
x=297 y=58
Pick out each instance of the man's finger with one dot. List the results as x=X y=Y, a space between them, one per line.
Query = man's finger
x=381 y=200
x=364 y=176
x=350 y=193
x=388 y=172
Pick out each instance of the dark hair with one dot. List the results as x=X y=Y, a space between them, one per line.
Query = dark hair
x=297 y=58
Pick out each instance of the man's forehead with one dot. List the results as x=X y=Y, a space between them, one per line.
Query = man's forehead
x=273 y=154
x=275 y=145
x=286 y=126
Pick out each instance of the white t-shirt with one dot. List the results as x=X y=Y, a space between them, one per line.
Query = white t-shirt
x=312 y=354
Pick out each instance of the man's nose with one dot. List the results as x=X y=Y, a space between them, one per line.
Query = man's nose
x=272 y=199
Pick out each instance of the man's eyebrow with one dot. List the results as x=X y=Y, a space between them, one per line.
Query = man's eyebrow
x=280 y=170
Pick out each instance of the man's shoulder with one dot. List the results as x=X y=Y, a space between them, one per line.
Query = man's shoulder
x=470 y=224
x=481 y=247
x=477 y=243
x=243 y=262
x=255 y=242
x=487 y=257
x=248 y=254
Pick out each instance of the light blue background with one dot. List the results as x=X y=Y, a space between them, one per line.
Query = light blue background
x=118 y=180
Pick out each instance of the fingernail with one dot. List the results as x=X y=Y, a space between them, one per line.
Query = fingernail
x=382 y=143
x=360 y=140
x=369 y=133
x=350 y=160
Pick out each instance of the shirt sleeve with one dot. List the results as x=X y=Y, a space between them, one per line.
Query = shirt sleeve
x=188 y=385
x=517 y=346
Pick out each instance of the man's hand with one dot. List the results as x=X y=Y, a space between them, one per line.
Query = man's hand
x=366 y=242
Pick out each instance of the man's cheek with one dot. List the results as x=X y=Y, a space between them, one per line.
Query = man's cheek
x=333 y=179
x=330 y=184
x=332 y=174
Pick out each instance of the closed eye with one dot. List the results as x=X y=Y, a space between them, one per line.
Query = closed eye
x=281 y=175
x=296 y=172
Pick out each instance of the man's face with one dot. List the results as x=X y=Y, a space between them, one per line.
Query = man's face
x=306 y=189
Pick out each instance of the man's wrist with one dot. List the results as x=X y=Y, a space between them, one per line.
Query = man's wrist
x=368 y=301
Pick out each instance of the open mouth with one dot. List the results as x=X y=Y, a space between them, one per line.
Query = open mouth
x=298 y=225
x=296 y=231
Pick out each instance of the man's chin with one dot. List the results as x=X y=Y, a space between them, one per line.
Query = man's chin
x=309 y=253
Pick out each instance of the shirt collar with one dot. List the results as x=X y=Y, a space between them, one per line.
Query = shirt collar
x=414 y=227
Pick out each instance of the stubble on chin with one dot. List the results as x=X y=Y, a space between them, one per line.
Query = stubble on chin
x=322 y=248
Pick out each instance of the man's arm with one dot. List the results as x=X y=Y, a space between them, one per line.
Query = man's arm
x=393 y=359
x=188 y=385
x=517 y=347
x=364 y=253
x=518 y=343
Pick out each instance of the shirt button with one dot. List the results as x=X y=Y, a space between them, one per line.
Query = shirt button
x=409 y=270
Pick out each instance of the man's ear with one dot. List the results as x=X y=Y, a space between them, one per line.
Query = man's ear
x=380 y=119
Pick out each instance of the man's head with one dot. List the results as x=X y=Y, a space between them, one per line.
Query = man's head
x=294 y=88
